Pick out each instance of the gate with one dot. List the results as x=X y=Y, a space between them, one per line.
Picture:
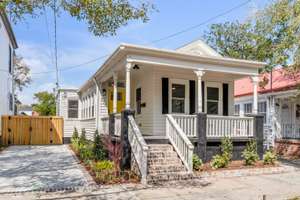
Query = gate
x=28 y=130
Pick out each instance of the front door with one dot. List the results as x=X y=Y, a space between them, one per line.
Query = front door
x=120 y=102
x=213 y=98
x=179 y=96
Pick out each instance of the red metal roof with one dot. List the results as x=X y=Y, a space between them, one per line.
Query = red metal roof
x=281 y=81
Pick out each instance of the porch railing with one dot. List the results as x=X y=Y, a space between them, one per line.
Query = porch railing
x=180 y=142
x=105 y=125
x=229 y=126
x=188 y=123
x=290 y=131
x=118 y=124
x=139 y=147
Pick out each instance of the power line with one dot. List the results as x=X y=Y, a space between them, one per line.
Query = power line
x=55 y=42
x=48 y=35
x=157 y=40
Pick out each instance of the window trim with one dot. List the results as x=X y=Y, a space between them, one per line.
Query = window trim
x=68 y=108
x=220 y=101
x=186 y=97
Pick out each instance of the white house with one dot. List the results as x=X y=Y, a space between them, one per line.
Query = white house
x=165 y=89
x=278 y=101
x=7 y=46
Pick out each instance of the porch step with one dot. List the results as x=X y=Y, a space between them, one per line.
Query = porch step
x=165 y=165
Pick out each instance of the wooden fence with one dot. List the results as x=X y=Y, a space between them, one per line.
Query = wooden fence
x=28 y=130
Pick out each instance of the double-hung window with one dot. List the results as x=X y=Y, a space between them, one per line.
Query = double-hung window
x=73 y=109
x=237 y=109
x=248 y=108
x=262 y=109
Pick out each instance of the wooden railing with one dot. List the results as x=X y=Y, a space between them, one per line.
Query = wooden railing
x=229 y=126
x=290 y=131
x=105 y=125
x=118 y=124
x=139 y=147
x=188 y=123
x=180 y=142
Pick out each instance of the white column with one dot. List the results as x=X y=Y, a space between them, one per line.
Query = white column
x=115 y=92
x=199 y=74
x=128 y=68
x=96 y=106
x=255 y=81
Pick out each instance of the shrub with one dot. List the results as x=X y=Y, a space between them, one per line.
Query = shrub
x=114 y=151
x=197 y=162
x=220 y=161
x=98 y=148
x=82 y=139
x=250 y=153
x=75 y=134
x=227 y=147
x=85 y=152
x=103 y=165
x=270 y=158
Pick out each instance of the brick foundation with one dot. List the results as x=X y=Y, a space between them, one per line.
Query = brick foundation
x=288 y=148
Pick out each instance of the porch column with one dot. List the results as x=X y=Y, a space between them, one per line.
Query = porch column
x=199 y=74
x=96 y=104
x=255 y=80
x=115 y=97
x=127 y=100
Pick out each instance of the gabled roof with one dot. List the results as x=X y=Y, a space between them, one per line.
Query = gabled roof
x=9 y=30
x=198 y=47
x=282 y=80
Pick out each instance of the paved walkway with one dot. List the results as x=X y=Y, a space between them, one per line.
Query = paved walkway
x=26 y=168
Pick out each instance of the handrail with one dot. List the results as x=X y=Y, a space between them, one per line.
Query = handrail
x=180 y=142
x=139 y=147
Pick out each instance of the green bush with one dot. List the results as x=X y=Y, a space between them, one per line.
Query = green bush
x=86 y=152
x=250 y=153
x=197 y=162
x=98 y=149
x=270 y=158
x=219 y=161
x=227 y=147
x=75 y=134
x=82 y=139
x=103 y=166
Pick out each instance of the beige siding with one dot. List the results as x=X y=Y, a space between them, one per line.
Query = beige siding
x=90 y=126
x=69 y=125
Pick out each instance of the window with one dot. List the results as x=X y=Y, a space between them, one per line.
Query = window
x=212 y=100
x=72 y=109
x=178 y=98
x=138 y=100
x=10 y=102
x=262 y=109
x=237 y=109
x=248 y=108
x=10 y=60
x=93 y=106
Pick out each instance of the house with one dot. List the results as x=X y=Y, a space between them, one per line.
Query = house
x=278 y=101
x=183 y=98
x=7 y=46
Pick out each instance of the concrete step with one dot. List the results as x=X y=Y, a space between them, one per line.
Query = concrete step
x=164 y=177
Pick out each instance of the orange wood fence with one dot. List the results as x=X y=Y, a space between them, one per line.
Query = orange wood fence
x=26 y=130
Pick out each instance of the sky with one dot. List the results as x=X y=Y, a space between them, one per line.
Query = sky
x=76 y=45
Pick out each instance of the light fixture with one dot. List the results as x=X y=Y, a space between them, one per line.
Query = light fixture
x=136 y=67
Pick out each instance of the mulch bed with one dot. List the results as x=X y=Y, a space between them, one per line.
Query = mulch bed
x=122 y=179
x=237 y=164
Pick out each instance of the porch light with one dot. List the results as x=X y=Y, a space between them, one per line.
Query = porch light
x=136 y=67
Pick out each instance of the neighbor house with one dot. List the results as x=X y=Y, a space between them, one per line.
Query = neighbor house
x=182 y=98
x=7 y=46
x=278 y=101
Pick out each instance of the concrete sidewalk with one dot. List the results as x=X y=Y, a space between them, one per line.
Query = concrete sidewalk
x=275 y=186
x=27 y=168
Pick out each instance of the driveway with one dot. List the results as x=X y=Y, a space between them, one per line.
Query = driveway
x=27 y=168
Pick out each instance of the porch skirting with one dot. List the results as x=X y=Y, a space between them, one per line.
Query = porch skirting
x=289 y=148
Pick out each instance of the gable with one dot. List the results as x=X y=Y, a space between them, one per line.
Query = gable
x=199 y=48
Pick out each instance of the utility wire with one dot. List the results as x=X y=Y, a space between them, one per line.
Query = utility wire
x=55 y=42
x=152 y=42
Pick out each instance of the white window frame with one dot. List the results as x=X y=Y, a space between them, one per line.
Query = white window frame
x=220 y=101
x=186 y=97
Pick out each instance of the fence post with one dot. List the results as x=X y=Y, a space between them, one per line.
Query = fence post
x=126 y=149
x=111 y=124
x=201 y=135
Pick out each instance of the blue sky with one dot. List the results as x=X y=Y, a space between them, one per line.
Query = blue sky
x=77 y=45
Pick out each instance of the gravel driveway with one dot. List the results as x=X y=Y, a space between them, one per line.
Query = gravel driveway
x=27 y=168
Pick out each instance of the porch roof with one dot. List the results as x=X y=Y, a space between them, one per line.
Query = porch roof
x=135 y=53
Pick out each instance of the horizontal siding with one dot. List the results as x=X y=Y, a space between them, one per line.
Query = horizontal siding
x=90 y=127
x=69 y=126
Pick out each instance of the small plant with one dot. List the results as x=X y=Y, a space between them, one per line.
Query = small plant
x=227 y=147
x=82 y=139
x=270 y=158
x=98 y=148
x=250 y=153
x=114 y=151
x=75 y=134
x=85 y=152
x=197 y=162
x=103 y=165
x=219 y=161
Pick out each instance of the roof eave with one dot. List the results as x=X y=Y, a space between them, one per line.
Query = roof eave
x=9 y=29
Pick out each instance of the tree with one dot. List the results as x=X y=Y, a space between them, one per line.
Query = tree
x=46 y=105
x=21 y=73
x=103 y=17
x=271 y=36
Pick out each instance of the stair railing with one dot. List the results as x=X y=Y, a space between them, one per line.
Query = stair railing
x=180 y=142
x=139 y=147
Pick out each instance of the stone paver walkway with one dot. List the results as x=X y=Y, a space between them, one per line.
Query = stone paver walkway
x=27 y=168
